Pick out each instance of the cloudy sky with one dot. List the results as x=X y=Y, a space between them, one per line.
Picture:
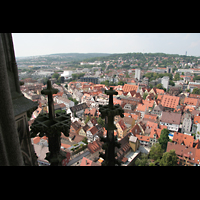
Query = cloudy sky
x=32 y=44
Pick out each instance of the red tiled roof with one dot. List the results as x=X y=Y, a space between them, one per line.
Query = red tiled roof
x=93 y=130
x=150 y=116
x=62 y=105
x=127 y=115
x=151 y=124
x=148 y=103
x=141 y=107
x=135 y=117
x=160 y=91
x=196 y=119
x=159 y=97
x=155 y=131
x=94 y=146
x=128 y=87
x=197 y=156
x=117 y=101
x=181 y=151
x=195 y=96
x=124 y=159
x=170 y=101
x=191 y=101
x=86 y=162
x=93 y=111
x=143 y=138
x=65 y=145
x=58 y=94
x=183 y=138
x=36 y=140
x=86 y=112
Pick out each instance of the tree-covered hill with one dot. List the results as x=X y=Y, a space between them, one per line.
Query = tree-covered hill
x=59 y=57
x=138 y=56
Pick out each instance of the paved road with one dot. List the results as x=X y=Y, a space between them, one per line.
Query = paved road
x=78 y=158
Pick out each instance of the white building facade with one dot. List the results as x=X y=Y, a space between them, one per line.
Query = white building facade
x=165 y=82
x=137 y=74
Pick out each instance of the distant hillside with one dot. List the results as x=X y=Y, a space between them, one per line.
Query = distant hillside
x=139 y=56
x=63 y=56
x=58 y=57
x=78 y=55
x=75 y=58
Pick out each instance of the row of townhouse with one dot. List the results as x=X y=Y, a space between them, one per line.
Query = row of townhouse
x=148 y=133
x=92 y=130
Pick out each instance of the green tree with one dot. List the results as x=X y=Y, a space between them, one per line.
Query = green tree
x=59 y=79
x=87 y=119
x=149 y=75
x=171 y=83
x=126 y=66
x=127 y=76
x=188 y=90
x=60 y=111
x=145 y=95
x=196 y=91
x=159 y=86
x=110 y=66
x=44 y=80
x=121 y=83
x=142 y=161
x=55 y=75
x=152 y=164
x=150 y=86
x=156 y=152
x=74 y=76
x=164 y=138
x=196 y=77
x=101 y=122
x=177 y=77
x=85 y=140
x=169 y=159
x=168 y=74
x=74 y=100
x=106 y=83
x=174 y=69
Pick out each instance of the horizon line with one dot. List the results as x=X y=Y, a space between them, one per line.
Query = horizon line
x=104 y=53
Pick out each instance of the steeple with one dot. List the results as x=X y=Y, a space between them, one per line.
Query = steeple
x=110 y=142
x=51 y=126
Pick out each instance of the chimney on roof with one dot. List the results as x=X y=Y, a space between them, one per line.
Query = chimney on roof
x=86 y=162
